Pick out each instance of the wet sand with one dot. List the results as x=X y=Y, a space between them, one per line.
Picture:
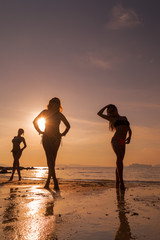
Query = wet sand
x=82 y=210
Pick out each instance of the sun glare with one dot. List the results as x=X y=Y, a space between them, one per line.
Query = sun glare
x=41 y=124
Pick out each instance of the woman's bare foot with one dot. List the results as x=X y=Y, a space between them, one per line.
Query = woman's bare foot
x=46 y=186
x=56 y=188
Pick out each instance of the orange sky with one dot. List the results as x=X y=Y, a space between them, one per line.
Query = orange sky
x=88 y=55
x=87 y=143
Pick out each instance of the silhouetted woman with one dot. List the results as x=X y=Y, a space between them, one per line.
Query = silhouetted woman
x=17 y=152
x=51 y=136
x=122 y=127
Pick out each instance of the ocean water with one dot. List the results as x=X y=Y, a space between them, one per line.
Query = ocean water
x=136 y=173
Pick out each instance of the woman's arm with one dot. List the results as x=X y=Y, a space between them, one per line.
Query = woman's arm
x=35 y=122
x=129 y=137
x=66 y=123
x=102 y=115
x=25 y=145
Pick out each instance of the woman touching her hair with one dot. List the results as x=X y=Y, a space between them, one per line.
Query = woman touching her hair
x=121 y=126
x=51 y=136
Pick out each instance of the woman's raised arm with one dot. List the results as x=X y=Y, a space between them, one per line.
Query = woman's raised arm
x=102 y=115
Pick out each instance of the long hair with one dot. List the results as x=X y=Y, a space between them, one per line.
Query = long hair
x=55 y=105
x=111 y=106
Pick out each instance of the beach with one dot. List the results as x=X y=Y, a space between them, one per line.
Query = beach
x=80 y=210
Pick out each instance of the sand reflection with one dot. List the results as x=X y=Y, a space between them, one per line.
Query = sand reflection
x=10 y=215
x=124 y=231
x=29 y=214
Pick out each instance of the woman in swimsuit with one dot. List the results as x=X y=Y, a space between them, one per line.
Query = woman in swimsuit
x=51 y=136
x=122 y=127
x=17 y=152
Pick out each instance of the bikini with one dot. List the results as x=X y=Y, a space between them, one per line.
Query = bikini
x=121 y=122
x=120 y=140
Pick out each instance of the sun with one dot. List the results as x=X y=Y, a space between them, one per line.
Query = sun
x=41 y=124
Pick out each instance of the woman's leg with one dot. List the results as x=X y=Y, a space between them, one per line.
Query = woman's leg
x=47 y=150
x=120 y=171
x=120 y=152
x=18 y=170
x=16 y=156
x=53 y=173
x=14 y=166
x=117 y=178
x=13 y=171
x=51 y=158
x=49 y=171
x=51 y=149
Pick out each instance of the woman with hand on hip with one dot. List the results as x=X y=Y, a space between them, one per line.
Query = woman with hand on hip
x=17 y=152
x=51 y=136
x=121 y=126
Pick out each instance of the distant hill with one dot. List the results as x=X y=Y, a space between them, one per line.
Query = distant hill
x=157 y=165
x=77 y=165
x=140 y=165
x=3 y=165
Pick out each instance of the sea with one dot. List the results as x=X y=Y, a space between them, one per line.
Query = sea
x=133 y=173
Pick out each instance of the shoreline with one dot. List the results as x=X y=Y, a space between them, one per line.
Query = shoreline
x=91 y=182
x=131 y=175
x=80 y=210
x=79 y=185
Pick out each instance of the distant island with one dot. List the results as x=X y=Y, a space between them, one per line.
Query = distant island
x=135 y=165
x=8 y=169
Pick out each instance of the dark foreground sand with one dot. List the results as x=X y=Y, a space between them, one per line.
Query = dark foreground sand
x=80 y=211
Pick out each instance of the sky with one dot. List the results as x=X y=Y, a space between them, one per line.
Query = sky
x=89 y=53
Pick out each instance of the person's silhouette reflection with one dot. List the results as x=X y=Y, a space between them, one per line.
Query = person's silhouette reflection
x=10 y=214
x=49 y=209
x=124 y=231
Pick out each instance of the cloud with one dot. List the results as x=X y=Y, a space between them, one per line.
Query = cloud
x=139 y=105
x=122 y=18
x=86 y=122
x=99 y=62
x=86 y=132
x=103 y=59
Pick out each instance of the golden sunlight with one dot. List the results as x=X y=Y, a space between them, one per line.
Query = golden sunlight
x=41 y=124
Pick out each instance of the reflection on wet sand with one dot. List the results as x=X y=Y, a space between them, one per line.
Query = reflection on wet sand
x=50 y=205
x=124 y=231
x=29 y=214
x=10 y=215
